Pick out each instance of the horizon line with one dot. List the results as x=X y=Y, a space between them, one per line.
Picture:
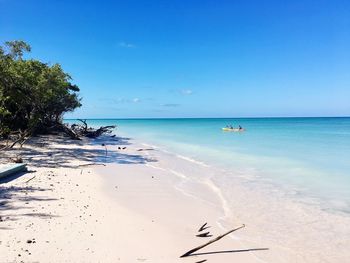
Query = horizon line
x=160 y=118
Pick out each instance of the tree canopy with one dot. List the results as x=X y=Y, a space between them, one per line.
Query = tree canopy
x=33 y=95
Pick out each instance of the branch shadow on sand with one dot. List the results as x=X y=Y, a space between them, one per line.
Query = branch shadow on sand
x=56 y=152
x=18 y=198
x=59 y=151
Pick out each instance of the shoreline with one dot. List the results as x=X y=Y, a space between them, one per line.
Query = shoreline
x=147 y=205
x=160 y=195
x=293 y=194
x=278 y=217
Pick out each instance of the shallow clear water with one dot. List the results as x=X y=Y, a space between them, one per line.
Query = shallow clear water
x=309 y=157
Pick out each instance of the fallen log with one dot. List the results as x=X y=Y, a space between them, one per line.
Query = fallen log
x=99 y=131
x=77 y=131
x=85 y=126
x=70 y=132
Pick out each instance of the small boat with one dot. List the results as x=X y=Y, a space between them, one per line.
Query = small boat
x=10 y=169
x=233 y=129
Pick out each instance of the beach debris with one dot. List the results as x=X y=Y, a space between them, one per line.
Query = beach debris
x=30 y=179
x=76 y=131
x=90 y=132
x=17 y=159
x=206 y=234
x=16 y=137
x=190 y=252
x=145 y=149
x=105 y=147
x=204 y=260
x=203 y=227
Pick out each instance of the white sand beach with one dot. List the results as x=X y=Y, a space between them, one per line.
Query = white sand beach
x=140 y=204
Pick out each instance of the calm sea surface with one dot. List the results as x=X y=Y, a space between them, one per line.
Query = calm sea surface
x=307 y=156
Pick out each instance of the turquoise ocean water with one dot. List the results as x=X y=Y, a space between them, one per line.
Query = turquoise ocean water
x=308 y=156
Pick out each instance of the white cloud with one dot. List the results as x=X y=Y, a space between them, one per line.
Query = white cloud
x=170 y=105
x=120 y=100
x=186 y=92
x=126 y=45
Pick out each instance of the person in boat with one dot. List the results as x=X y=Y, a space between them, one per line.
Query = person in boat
x=240 y=127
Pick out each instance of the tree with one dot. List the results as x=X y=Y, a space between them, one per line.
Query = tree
x=17 y=48
x=33 y=95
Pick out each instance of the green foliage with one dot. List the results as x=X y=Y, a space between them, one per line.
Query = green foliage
x=33 y=94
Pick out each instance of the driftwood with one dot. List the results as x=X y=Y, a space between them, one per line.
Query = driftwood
x=96 y=133
x=206 y=234
x=203 y=227
x=190 y=252
x=30 y=179
x=70 y=132
x=16 y=137
x=76 y=131
x=85 y=126
x=145 y=149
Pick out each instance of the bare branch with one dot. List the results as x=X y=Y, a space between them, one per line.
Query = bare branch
x=190 y=252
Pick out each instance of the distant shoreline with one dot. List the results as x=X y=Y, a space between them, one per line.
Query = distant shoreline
x=290 y=117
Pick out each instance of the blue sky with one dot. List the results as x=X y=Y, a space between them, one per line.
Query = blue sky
x=193 y=58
